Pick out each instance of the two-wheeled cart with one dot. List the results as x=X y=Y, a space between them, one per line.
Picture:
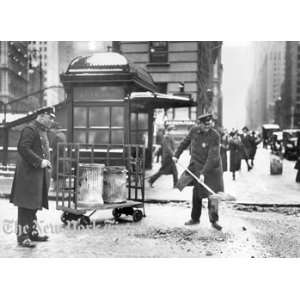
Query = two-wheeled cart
x=71 y=156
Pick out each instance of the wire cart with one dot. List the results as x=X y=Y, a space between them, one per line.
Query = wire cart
x=71 y=155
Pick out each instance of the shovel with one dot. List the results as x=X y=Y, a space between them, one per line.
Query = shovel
x=221 y=196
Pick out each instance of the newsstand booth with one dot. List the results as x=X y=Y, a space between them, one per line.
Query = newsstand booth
x=111 y=101
x=109 y=104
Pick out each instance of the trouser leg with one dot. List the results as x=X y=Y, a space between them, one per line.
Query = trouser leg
x=213 y=210
x=26 y=218
x=154 y=177
x=175 y=174
x=197 y=204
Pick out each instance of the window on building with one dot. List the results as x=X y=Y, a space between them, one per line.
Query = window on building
x=158 y=52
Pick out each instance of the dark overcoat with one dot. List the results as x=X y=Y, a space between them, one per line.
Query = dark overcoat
x=246 y=146
x=223 y=151
x=31 y=182
x=253 y=142
x=235 y=155
x=168 y=149
x=205 y=160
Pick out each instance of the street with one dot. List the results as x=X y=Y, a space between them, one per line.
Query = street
x=253 y=226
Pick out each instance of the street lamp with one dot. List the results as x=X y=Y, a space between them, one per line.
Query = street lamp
x=35 y=63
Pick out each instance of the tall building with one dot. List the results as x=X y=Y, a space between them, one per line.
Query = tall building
x=267 y=78
x=55 y=57
x=289 y=106
x=13 y=72
x=187 y=67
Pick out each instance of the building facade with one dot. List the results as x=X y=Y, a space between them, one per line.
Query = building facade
x=188 y=68
x=289 y=104
x=13 y=72
x=267 y=79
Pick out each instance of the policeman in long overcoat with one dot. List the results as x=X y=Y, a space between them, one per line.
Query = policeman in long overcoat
x=205 y=163
x=32 y=177
x=167 y=164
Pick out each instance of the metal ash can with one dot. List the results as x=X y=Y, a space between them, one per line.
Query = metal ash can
x=90 y=184
x=115 y=181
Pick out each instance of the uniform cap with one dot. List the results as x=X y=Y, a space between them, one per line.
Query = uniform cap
x=47 y=110
x=205 y=118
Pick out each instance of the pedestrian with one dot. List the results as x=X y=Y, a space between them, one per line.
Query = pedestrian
x=297 y=165
x=223 y=150
x=246 y=146
x=57 y=136
x=254 y=141
x=167 y=164
x=32 y=177
x=206 y=164
x=235 y=146
x=159 y=140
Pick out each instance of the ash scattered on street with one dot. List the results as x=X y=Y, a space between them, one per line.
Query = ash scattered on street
x=180 y=235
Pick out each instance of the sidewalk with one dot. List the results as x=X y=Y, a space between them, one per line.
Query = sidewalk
x=254 y=187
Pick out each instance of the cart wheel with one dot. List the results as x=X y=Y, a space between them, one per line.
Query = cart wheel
x=137 y=215
x=85 y=221
x=65 y=217
x=116 y=213
x=128 y=211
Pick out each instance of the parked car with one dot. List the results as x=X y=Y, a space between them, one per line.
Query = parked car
x=276 y=143
x=267 y=131
x=290 y=143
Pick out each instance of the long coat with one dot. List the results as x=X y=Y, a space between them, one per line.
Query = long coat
x=168 y=149
x=246 y=146
x=205 y=160
x=223 y=152
x=235 y=155
x=31 y=182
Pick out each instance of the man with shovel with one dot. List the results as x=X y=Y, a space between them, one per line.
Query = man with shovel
x=205 y=166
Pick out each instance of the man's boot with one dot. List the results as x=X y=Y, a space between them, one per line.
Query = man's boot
x=191 y=222
x=216 y=226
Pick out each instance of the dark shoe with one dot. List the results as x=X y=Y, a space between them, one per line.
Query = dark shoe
x=249 y=168
x=39 y=238
x=26 y=244
x=216 y=226
x=233 y=177
x=191 y=222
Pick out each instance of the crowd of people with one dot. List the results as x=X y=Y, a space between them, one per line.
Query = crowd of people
x=242 y=146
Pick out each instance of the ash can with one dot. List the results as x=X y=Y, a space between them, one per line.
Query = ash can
x=115 y=181
x=90 y=187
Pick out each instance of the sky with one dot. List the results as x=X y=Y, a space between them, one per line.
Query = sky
x=237 y=72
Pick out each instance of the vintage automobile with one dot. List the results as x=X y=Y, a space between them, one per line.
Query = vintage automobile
x=267 y=131
x=290 y=138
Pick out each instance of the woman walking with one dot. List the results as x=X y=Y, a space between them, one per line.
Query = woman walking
x=235 y=146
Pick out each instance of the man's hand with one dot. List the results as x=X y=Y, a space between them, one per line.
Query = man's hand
x=45 y=164
x=201 y=178
x=175 y=159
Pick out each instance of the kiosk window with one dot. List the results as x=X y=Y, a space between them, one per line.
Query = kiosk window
x=117 y=137
x=79 y=136
x=117 y=116
x=98 y=137
x=99 y=117
x=80 y=117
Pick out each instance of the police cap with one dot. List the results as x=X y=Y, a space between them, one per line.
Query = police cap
x=205 y=118
x=49 y=110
